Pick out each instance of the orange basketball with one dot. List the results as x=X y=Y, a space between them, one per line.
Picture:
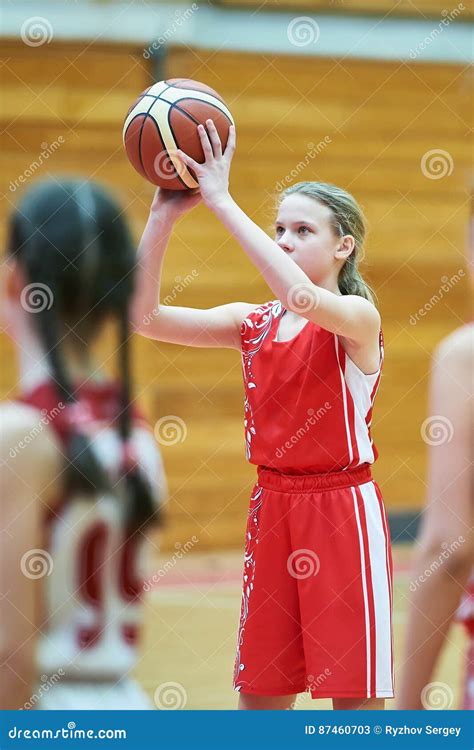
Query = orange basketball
x=163 y=119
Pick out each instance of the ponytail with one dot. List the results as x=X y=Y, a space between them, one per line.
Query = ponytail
x=350 y=280
x=141 y=508
x=83 y=474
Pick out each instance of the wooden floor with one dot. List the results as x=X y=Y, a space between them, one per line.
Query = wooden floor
x=191 y=625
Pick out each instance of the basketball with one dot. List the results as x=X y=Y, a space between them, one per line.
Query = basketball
x=164 y=118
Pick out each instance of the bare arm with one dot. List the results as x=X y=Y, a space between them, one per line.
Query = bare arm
x=28 y=480
x=446 y=545
x=214 y=327
x=351 y=317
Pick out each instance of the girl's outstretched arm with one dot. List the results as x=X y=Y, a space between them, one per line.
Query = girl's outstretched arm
x=215 y=327
x=349 y=316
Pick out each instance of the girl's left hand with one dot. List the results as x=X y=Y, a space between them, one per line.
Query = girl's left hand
x=213 y=175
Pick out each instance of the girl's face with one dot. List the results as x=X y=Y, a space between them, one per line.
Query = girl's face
x=303 y=229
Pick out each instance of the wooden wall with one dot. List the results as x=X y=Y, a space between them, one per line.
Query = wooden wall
x=418 y=9
x=378 y=119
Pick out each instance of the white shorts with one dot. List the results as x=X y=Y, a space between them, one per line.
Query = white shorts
x=126 y=695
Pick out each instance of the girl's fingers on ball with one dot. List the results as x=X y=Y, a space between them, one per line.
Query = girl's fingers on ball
x=188 y=160
x=214 y=138
x=230 y=148
x=205 y=142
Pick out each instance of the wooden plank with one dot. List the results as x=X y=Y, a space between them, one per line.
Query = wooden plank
x=422 y=9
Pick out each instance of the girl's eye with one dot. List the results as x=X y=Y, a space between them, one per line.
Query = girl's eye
x=279 y=230
x=305 y=230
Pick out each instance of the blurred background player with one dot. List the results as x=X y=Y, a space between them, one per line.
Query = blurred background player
x=81 y=476
x=447 y=534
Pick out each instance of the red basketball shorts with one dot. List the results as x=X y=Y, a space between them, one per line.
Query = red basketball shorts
x=317 y=590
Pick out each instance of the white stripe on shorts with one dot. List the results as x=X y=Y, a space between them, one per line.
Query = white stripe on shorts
x=381 y=589
x=364 y=588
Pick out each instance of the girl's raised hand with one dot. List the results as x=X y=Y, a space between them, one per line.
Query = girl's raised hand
x=175 y=202
x=213 y=175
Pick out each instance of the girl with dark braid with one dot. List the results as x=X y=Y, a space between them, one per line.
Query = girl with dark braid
x=82 y=480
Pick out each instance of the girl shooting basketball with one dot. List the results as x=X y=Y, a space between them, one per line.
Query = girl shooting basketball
x=80 y=473
x=316 y=607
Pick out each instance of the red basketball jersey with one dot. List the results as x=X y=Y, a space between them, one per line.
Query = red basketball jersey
x=92 y=591
x=308 y=407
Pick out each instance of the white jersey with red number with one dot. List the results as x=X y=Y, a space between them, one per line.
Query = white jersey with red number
x=95 y=575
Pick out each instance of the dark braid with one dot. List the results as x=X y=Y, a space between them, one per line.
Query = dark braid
x=70 y=237
x=84 y=474
x=141 y=508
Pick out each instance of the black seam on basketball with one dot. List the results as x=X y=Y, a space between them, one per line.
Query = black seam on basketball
x=177 y=143
x=178 y=80
x=191 y=117
x=140 y=135
x=153 y=96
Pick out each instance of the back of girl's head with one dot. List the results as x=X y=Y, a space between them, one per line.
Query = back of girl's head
x=72 y=243
x=347 y=218
x=71 y=236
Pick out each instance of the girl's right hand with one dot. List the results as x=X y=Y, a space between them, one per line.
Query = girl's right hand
x=175 y=202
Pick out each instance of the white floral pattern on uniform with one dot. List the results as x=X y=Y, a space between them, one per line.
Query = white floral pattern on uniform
x=254 y=333
x=249 y=572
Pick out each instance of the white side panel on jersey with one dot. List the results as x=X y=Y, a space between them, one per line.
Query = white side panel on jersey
x=360 y=387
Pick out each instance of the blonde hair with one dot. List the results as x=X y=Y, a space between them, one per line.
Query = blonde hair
x=347 y=218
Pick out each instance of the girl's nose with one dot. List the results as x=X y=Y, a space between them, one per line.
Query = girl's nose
x=285 y=244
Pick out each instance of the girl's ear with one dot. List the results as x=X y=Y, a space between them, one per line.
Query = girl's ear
x=345 y=247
